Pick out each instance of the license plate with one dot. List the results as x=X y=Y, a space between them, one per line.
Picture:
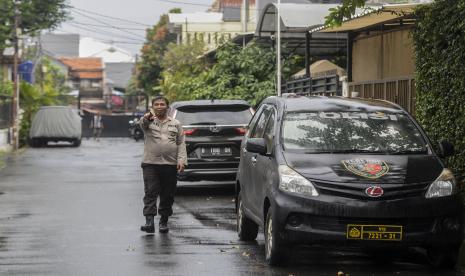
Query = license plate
x=374 y=232
x=216 y=151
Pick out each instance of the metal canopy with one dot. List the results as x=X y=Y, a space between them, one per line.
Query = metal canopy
x=385 y=15
x=296 y=21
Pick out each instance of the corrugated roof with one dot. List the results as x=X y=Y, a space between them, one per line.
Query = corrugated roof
x=371 y=17
x=80 y=64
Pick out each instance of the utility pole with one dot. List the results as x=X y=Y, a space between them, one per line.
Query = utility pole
x=278 y=50
x=15 y=100
x=245 y=19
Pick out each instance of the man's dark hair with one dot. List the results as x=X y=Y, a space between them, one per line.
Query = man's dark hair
x=157 y=98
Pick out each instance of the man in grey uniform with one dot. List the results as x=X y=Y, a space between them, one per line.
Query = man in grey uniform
x=164 y=156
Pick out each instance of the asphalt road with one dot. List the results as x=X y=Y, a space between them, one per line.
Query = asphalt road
x=77 y=211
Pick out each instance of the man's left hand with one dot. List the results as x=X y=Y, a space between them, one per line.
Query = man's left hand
x=180 y=166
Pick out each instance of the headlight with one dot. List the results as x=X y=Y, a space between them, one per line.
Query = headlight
x=444 y=185
x=292 y=182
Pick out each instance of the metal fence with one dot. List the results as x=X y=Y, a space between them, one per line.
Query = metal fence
x=400 y=91
x=5 y=111
x=322 y=85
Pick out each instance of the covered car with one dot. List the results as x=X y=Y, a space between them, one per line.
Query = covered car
x=54 y=124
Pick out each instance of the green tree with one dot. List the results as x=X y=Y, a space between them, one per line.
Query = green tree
x=344 y=11
x=240 y=73
x=182 y=64
x=34 y=16
x=150 y=67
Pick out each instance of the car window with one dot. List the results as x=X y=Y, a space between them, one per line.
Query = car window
x=254 y=119
x=214 y=115
x=259 y=128
x=269 y=132
x=351 y=131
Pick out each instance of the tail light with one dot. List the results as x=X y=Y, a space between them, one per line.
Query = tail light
x=241 y=131
x=190 y=131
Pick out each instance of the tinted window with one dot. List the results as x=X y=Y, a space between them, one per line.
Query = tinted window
x=351 y=131
x=269 y=132
x=261 y=123
x=214 y=115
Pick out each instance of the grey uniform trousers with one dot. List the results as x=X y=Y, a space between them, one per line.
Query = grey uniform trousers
x=159 y=181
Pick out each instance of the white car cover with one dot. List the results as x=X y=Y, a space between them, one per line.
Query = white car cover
x=56 y=121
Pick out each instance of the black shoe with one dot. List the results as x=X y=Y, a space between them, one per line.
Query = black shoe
x=163 y=225
x=149 y=226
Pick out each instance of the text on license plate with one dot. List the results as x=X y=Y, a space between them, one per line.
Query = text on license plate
x=374 y=232
x=216 y=151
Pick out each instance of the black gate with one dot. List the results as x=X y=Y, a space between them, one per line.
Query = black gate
x=114 y=125
x=5 y=111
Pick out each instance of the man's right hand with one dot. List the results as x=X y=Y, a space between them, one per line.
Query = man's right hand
x=148 y=116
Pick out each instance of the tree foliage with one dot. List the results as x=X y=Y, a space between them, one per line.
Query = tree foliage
x=157 y=40
x=33 y=16
x=239 y=73
x=344 y=11
x=440 y=71
x=182 y=64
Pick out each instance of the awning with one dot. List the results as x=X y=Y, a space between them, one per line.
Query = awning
x=394 y=14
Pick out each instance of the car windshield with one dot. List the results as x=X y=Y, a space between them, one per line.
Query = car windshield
x=214 y=115
x=314 y=132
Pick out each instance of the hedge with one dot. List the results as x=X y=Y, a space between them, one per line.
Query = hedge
x=439 y=40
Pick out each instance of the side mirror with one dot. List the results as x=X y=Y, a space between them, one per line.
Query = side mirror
x=256 y=145
x=446 y=149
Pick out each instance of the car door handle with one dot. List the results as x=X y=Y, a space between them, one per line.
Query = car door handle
x=254 y=160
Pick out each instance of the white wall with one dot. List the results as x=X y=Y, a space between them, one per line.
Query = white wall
x=4 y=139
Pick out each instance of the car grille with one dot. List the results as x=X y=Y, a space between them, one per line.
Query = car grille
x=335 y=224
x=357 y=190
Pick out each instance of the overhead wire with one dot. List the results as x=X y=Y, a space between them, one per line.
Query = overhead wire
x=111 y=17
x=105 y=23
x=110 y=34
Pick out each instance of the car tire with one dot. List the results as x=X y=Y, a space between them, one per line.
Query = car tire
x=276 y=250
x=442 y=257
x=76 y=143
x=247 y=230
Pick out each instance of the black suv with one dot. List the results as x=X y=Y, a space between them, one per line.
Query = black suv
x=322 y=170
x=214 y=130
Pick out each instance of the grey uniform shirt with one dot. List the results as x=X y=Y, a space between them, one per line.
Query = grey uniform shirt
x=164 y=142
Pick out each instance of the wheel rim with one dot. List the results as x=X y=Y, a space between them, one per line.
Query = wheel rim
x=239 y=217
x=269 y=238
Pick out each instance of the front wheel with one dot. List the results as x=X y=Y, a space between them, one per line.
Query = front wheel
x=76 y=143
x=247 y=230
x=276 y=251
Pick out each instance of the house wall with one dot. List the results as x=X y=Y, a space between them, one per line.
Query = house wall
x=384 y=56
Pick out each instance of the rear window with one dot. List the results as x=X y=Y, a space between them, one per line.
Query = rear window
x=214 y=115
x=335 y=132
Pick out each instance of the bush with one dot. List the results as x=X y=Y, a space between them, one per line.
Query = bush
x=440 y=64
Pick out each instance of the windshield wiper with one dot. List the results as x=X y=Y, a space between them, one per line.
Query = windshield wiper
x=204 y=123
x=408 y=152
x=347 y=151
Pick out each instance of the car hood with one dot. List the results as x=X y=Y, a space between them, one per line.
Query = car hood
x=352 y=168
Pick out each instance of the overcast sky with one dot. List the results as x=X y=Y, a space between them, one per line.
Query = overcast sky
x=87 y=19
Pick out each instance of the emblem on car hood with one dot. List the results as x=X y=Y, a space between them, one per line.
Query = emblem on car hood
x=374 y=191
x=368 y=168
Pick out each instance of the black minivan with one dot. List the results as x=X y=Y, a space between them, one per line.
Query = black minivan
x=332 y=170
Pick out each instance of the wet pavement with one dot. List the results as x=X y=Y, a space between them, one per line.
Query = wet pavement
x=77 y=211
